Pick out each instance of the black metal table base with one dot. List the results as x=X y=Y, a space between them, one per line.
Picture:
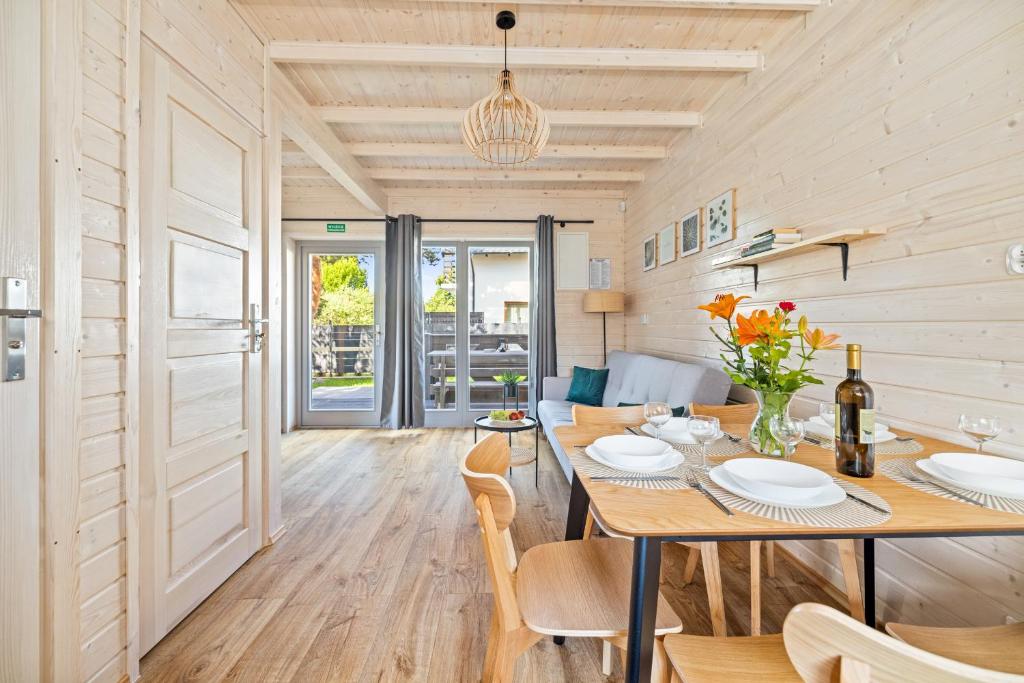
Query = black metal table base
x=536 y=449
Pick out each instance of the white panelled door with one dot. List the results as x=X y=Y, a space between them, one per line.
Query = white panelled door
x=200 y=459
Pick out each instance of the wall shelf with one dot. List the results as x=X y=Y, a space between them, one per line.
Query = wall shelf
x=840 y=239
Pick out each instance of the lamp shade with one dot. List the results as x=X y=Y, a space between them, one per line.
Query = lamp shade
x=603 y=301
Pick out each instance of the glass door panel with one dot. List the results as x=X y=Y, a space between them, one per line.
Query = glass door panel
x=341 y=321
x=439 y=263
x=499 y=326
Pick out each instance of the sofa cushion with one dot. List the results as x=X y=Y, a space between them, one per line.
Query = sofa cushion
x=588 y=385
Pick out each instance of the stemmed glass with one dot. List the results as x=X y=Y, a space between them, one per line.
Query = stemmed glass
x=788 y=431
x=981 y=428
x=704 y=429
x=827 y=412
x=657 y=415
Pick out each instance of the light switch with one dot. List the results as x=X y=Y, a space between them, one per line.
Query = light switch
x=645 y=319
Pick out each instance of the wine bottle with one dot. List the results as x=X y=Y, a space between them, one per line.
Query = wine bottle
x=855 y=420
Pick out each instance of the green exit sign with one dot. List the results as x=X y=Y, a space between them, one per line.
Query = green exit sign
x=335 y=227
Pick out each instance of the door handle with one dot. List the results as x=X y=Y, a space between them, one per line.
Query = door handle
x=256 y=331
x=14 y=313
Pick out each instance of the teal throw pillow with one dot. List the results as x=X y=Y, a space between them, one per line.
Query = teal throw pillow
x=587 y=386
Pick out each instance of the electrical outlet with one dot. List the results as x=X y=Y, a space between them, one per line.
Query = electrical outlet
x=1011 y=620
x=645 y=319
x=1015 y=259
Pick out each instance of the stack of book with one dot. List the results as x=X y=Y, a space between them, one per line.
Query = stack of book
x=759 y=243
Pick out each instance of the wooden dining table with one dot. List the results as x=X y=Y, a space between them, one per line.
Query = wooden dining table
x=654 y=516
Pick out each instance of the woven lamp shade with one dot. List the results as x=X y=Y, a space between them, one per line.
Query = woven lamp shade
x=603 y=301
x=505 y=128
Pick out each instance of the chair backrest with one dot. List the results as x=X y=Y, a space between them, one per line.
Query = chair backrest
x=591 y=416
x=482 y=468
x=743 y=413
x=826 y=646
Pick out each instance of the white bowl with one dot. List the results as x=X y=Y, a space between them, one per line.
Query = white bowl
x=830 y=495
x=679 y=436
x=987 y=471
x=778 y=479
x=631 y=451
x=1006 y=488
x=819 y=420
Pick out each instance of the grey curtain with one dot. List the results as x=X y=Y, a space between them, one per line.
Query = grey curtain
x=543 y=359
x=402 y=392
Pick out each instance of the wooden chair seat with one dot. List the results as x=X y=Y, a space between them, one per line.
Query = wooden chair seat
x=709 y=659
x=998 y=648
x=581 y=588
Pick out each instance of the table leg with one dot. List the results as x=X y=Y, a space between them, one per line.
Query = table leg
x=536 y=457
x=643 y=607
x=510 y=453
x=474 y=433
x=576 y=520
x=869 y=582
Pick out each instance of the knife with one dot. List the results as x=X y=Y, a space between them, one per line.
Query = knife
x=865 y=502
x=692 y=480
x=629 y=478
x=951 y=492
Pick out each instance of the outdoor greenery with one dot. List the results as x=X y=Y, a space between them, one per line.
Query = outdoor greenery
x=345 y=296
x=443 y=299
x=349 y=381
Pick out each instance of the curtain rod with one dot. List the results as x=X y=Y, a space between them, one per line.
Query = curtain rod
x=530 y=221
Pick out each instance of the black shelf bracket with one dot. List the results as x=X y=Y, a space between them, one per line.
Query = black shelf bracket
x=756 y=269
x=844 y=249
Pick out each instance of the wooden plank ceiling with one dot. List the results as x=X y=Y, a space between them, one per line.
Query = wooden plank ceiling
x=620 y=80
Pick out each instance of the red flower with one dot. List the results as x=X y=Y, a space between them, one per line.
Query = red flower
x=787 y=306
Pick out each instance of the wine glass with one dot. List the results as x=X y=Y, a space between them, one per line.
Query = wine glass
x=704 y=429
x=981 y=428
x=788 y=431
x=657 y=415
x=827 y=412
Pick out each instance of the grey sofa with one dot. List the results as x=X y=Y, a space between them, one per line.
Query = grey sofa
x=634 y=378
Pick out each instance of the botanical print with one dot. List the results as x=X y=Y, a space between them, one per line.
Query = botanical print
x=689 y=234
x=720 y=219
x=667 y=244
x=650 y=252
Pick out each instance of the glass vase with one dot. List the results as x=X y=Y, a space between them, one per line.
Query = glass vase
x=769 y=405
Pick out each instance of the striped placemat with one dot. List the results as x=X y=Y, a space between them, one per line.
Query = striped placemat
x=899 y=470
x=848 y=513
x=894 y=447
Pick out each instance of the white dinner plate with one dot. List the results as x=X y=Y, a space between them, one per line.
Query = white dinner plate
x=830 y=496
x=671 y=460
x=670 y=435
x=817 y=419
x=778 y=479
x=994 y=487
x=817 y=427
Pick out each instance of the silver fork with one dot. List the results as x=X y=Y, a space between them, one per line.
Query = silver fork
x=691 y=479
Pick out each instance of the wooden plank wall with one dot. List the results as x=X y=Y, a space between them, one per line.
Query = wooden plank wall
x=579 y=334
x=893 y=114
x=210 y=41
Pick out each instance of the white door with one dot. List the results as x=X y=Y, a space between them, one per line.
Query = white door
x=200 y=424
x=19 y=399
x=342 y=315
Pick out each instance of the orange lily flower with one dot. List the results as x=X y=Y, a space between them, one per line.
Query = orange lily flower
x=818 y=340
x=723 y=306
x=761 y=325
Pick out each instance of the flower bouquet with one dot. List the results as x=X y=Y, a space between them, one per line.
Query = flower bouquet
x=757 y=354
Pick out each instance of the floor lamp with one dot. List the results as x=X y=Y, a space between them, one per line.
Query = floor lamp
x=604 y=301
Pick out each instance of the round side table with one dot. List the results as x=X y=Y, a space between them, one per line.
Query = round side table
x=520 y=456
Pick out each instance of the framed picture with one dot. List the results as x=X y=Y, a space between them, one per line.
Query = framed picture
x=667 y=244
x=689 y=234
x=720 y=219
x=650 y=252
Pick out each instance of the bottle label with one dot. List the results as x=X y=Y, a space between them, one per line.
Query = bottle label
x=866 y=421
x=836 y=420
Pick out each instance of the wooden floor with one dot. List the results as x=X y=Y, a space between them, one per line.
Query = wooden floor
x=380 y=575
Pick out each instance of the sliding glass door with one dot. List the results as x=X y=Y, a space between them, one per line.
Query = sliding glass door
x=476 y=333
x=342 y=313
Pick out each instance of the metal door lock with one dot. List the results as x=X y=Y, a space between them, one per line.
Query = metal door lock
x=13 y=314
x=256 y=329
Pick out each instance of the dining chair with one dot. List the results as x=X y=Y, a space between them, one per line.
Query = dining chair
x=569 y=588
x=589 y=416
x=744 y=413
x=818 y=644
x=1000 y=648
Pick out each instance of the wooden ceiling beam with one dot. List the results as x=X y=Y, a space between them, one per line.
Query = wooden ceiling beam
x=777 y=5
x=315 y=52
x=304 y=126
x=566 y=117
x=432 y=149
x=477 y=175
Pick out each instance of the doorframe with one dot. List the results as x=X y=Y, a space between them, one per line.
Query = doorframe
x=337 y=418
x=463 y=415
